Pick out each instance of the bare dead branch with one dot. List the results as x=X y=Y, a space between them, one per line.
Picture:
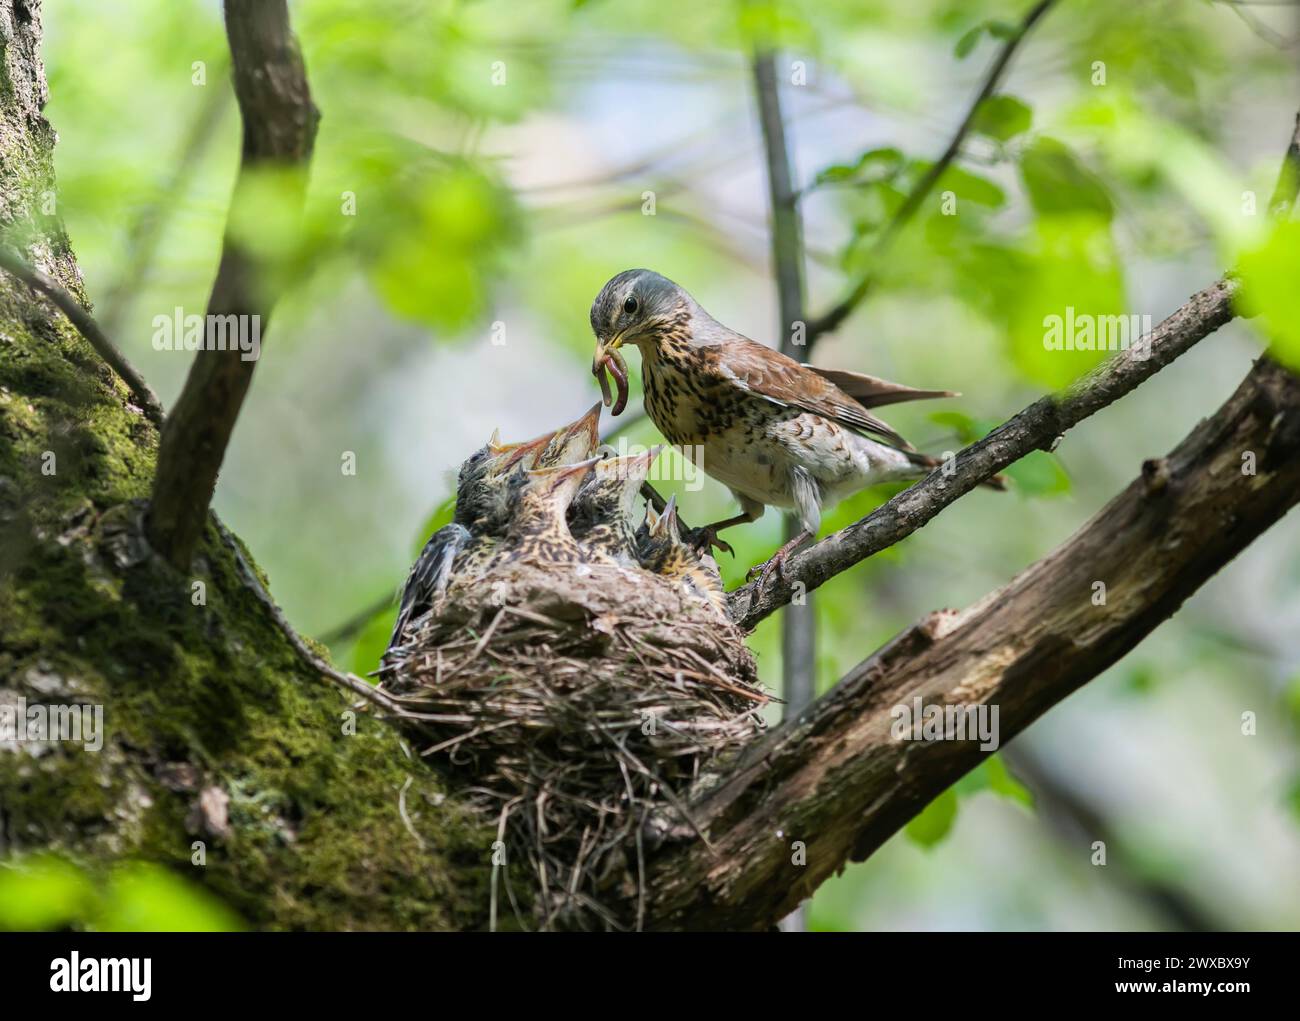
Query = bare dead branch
x=912 y=202
x=88 y=328
x=279 y=122
x=837 y=779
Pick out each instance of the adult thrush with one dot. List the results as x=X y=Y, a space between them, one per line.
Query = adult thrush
x=774 y=431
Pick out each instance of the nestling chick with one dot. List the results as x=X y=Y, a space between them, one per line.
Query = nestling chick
x=601 y=515
x=661 y=549
x=538 y=531
x=483 y=508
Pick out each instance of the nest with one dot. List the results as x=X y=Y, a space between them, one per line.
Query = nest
x=579 y=708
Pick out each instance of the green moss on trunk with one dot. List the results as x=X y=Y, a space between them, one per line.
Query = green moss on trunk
x=196 y=697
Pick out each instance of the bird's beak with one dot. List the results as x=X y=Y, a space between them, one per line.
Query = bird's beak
x=644 y=461
x=631 y=470
x=568 y=443
x=522 y=452
x=590 y=424
x=666 y=524
x=563 y=481
x=578 y=439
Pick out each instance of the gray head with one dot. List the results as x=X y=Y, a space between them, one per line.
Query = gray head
x=638 y=306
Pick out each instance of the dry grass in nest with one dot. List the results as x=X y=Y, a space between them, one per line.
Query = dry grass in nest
x=575 y=711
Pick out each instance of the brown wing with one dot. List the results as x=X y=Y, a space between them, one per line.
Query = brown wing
x=772 y=375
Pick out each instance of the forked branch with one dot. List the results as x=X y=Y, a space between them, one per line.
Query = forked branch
x=279 y=125
x=926 y=182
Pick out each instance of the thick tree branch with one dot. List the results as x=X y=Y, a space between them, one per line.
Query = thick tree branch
x=912 y=202
x=1035 y=428
x=839 y=782
x=279 y=121
x=149 y=403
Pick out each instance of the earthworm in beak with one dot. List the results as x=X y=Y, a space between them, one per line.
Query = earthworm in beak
x=598 y=365
x=609 y=358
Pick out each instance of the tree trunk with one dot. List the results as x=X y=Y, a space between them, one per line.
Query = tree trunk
x=208 y=710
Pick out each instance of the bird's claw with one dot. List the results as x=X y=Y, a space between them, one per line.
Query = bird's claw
x=705 y=540
x=776 y=564
x=764 y=571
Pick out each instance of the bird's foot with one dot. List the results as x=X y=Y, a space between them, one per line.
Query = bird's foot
x=764 y=571
x=704 y=540
x=776 y=563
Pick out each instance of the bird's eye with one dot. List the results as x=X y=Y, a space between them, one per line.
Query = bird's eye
x=629 y=306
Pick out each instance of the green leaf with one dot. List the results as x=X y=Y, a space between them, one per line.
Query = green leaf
x=1270 y=289
x=1002 y=782
x=1293 y=798
x=1291 y=699
x=1140 y=680
x=874 y=165
x=965 y=427
x=1060 y=306
x=372 y=642
x=1002 y=117
x=1039 y=474
x=39 y=894
x=441 y=515
x=996 y=28
x=968 y=42
x=935 y=820
x=1058 y=183
x=971 y=187
x=149 y=898
x=836 y=173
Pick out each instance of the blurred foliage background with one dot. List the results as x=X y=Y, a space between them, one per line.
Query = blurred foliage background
x=483 y=167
